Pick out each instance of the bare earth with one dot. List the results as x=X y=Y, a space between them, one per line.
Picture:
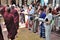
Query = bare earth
x=25 y=34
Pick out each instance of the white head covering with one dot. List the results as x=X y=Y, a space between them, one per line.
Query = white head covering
x=13 y=5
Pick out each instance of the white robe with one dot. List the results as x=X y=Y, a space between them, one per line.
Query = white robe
x=48 y=27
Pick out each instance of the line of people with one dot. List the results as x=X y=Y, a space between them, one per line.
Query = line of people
x=40 y=19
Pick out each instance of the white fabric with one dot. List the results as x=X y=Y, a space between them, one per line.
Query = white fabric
x=36 y=18
x=58 y=22
x=48 y=27
x=22 y=25
x=26 y=16
x=41 y=19
x=49 y=16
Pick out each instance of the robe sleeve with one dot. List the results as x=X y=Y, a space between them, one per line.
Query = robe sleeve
x=16 y=19
x=2 y=11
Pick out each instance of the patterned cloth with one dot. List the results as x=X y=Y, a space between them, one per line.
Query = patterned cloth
x=42 y=28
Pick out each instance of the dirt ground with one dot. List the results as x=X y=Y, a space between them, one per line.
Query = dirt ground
x=25 y=34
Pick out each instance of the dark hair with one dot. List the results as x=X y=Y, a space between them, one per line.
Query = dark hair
x=58 y=9
x=44 y=6
x=7 y=5
x=12 y=7
x=31 y=18
x=8 y=10
x=46 y=19
x=42 y=9
x=50 y=10
x=32 y=2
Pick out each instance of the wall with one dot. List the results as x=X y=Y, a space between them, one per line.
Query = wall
x=3 y=2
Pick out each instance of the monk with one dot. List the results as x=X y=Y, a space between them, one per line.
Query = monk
x=9 y=22
x=16 y=17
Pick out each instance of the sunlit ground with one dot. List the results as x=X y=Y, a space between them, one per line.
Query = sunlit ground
x=25 y=34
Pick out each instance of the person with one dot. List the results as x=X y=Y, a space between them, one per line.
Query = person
x=1 y=35
x=3 y=28
x=16 y=16
x=22 y=18
x=36 y=24
x=48 y=25
x=2 y=10
x=30 y=18
x=9 y=22
x=42 y=28
x=26 y=16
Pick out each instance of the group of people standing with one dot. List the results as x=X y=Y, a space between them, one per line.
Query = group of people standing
x=40 y=18
x=36 y=17
x=11 y=19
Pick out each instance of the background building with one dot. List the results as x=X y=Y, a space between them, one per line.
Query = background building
x=21 y=2
x=3 y=2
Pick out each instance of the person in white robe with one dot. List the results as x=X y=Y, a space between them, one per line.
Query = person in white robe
x=48 y=25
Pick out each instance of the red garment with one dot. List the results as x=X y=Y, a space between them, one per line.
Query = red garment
x=9 y=21
x=3 y=10
x=16 y=18
x=26 y=24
